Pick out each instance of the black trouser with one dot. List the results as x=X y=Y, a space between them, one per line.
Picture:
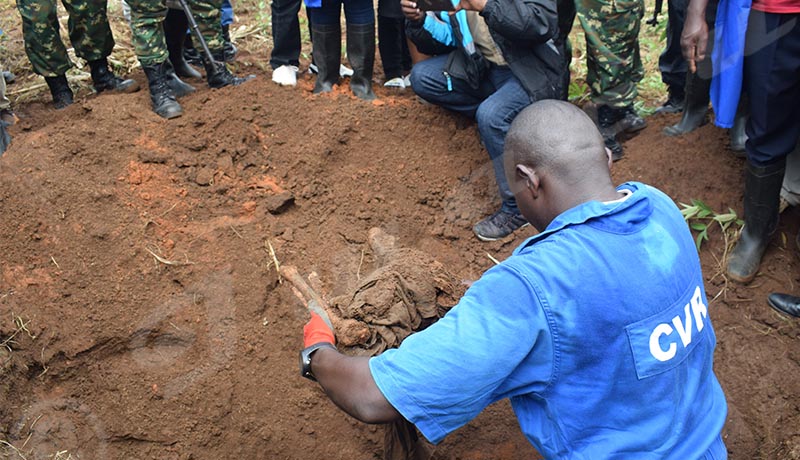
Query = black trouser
x=671 y=63
x=772 y=82
x=286 y=33
x=393 y=46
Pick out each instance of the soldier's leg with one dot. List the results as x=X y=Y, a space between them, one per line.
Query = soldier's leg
x=613 y=64
x=147 y=17
x=44 y=47
x=88 y=27
x=612 y=47
x=207 y=14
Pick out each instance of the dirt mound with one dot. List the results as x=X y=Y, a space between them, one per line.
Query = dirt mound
x=137 y=254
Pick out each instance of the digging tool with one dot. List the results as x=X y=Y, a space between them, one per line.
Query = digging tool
x=212 y=67
x=314 y=302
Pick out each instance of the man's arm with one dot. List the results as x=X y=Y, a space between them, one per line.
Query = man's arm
x=348 y=382
x=694 y=38
x=534 y=20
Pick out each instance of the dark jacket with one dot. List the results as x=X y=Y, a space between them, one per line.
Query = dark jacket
x=526 y=31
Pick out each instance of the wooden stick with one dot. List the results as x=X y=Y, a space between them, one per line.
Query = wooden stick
x=291 y=274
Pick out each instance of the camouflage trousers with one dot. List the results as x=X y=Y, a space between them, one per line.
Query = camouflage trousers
x=613 y=64
x=147 y=18
x=88 y=28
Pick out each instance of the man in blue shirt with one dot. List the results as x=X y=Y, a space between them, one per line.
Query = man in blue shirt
x=597 y=328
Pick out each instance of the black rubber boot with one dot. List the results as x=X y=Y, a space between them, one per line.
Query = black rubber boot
x=695 y=106
x=104 y=80
x=162 y=96
x=361 y=53
x=737 y=134
x=175 y=33
x=59 y=89
x=179 y=87
x=762 y=189
x=607 y=118
x=327 y=49
x=228 y=48
x=218 y=75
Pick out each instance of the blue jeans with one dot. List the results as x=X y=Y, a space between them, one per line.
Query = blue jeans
x=227 y=13
x=355 y=12
x=493 y=105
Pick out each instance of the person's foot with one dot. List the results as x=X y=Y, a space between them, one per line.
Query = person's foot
x=616 y=148
x=499 y=225
x=785 y=303
x=631 y=122
x=8 y=117
x=674 y=102
x=229 y=50
x=105 y=80
x=60 y=90
x=222 y=77
x=396 y=82
x=285 y=75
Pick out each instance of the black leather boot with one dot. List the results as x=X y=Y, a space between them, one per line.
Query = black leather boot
x=762 y=189
x=361 y=53
x=674 y=102
x=695 y=107
x=607 y=118
x=162 y=96
x=737 y=134
x=785 y=303
x=218 y=75
x=175 y=26
x=327 y=49
x=105 y=80
x=59 y=89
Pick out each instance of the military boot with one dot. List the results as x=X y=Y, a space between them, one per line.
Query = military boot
x=105 y=80
x=218 y=75
x=59 y=89
x=361 y=53
x=161 y=95
x=762 y=188
x=695 y=107
x=675 y=99
x=607 y=118
x=327 y=50
x=175 y=33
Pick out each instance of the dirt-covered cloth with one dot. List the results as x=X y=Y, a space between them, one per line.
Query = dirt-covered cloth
x=408 y=292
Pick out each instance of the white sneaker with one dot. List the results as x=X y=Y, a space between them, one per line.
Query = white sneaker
x=343 y=71
x=285 y=75
x=407 y=80
x=396 y=82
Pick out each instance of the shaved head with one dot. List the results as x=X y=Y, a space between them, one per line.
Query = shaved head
x=555 y=159
x=558 y=137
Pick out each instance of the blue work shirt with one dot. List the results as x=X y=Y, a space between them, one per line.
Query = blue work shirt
x=597 y=329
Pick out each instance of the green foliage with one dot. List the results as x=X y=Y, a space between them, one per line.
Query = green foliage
x=701 y=218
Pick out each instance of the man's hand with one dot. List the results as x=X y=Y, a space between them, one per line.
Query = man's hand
x=317 y=331
x=694 y=39
x=472 y=5
x=411 y=11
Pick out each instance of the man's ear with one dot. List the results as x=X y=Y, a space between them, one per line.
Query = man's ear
x=610 y=158
x=530 y=177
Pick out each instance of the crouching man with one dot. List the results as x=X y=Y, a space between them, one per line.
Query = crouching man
x=597 y=328
x=491 y=59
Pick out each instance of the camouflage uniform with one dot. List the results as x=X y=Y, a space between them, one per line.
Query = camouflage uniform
x=147 y=17
x=612 y=48
x=88 y=27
